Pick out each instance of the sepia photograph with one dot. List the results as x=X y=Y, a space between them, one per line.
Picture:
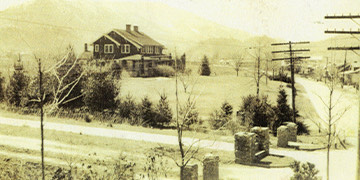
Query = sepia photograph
x=179 y=89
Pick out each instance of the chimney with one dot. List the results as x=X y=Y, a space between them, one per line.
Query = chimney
x=136 y=28
x=86 y=47
x=128 y=28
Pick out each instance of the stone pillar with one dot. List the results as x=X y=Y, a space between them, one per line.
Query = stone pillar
x=245 y=147
x=283 y=136
x=191 y=172
x=263 y=138
x=293 y=131
x=211 y=167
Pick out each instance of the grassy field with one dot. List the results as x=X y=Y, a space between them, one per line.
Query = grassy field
x=64 y=149
x=210 y=92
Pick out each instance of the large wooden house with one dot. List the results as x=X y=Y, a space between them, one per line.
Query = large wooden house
x=136 y=51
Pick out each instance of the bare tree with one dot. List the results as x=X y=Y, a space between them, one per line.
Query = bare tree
x=333 y=117
x=60 y=92
x=238 y=62
x=186 y=153
x=257 y=72
x=187 y=79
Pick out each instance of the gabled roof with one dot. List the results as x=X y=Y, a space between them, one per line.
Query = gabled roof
x=110 y=38
x=137 y=38
x=113 y=40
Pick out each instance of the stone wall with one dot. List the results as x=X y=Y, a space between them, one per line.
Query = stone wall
x=191 y=172
x=286 y=133
x=262 y=138
x=211 y=167
x=245 y=148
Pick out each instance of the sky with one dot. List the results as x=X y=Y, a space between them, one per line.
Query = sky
x=286 y=19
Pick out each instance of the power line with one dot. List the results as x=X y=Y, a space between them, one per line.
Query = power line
x=292 y=59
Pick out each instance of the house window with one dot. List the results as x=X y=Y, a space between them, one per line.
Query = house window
x=109 y=48
x=143 y=50
x=147 y=50
x=157 y=50
x=125 y=48
x=151 y=49
x=96 y=48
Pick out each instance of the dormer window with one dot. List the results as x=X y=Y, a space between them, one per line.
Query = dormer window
x=125 y=48
x=108 y=48
x=96 y=48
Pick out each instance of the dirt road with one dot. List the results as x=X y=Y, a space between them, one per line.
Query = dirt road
x=343 y=166
x=318 y=93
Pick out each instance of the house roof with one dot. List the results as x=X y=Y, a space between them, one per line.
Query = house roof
x=137 y=38
x=113 y=40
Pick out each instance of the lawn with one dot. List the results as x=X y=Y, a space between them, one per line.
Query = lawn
x=209 y=92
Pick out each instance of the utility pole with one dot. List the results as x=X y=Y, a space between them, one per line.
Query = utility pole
x=351 y=48
x=292 y=59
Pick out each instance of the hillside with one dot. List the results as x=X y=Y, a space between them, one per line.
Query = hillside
x=229 y=48
x=51 y=25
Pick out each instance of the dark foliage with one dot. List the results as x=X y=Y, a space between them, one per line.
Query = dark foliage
x=256 y=112
x=220 y=118
x=304 y=171
x=163 y=71
x=48 y=84
x=70 y=77
x=181 y=63
x=205 y=67
x=147 y=112
x=302 y=128
x=127 y=107
x=116 y=70
x=16 y=92
x=282 y=110
x=189 y=113
x=163 y=111
x=100 y=92
x=281 y=77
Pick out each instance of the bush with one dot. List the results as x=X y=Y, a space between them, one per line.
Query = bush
x=163 y=71
x=16 y=91
x=100 y=92
x=205 y=67
x=282 y=110
x=302 y=128
x=116 y=70
x=256 y=112
x=163 y=111
x=147 y=112
x=304 y=171
x=69 y=78
x=127 y=107
x=281 y=77
x=189 y=113
x=220 y=118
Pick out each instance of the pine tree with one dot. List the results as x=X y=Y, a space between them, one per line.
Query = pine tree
x=204 y=67
x=163 y=111
x=16 y=91
x=227 y=109
x=189 y=113
x=147 y=112
x=283 y=110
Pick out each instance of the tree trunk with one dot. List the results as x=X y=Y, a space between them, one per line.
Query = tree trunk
x=182 y=172
x=358 y=163
x=41 y=121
